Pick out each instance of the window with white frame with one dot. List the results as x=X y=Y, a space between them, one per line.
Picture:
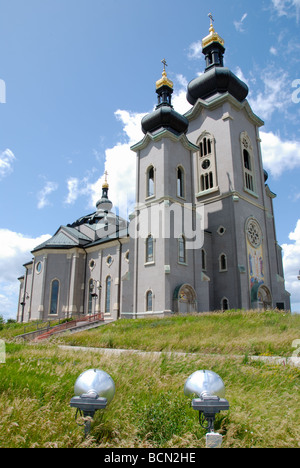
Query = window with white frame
x=223 y=262
x=206 y=160
x=149 y=257
x=181 y=250
x=90 y=299
x=149 y=301
x=150 y=181
x=107 y=294
x=180 y=182
x=248 y=163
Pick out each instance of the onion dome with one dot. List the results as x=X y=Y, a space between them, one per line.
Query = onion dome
x=104 y=204
x=164 y=115
x=216 y=79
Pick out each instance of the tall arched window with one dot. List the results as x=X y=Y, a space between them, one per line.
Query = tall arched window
x=150 y=181
x=90 y=301
x=107 y=294
x=180 y=182
x=207 y=174
x=225 y=304
x=54 y=297
x=248 y=163
x=181 y=250
x=149 y=301
x=149 y=249
x=223 y=262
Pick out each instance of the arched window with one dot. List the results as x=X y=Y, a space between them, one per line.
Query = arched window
x=205 y=147
x=223 y=262
x=90 y=301
x=149 y=301
x=248 y=171
x=207 y=175
x=150 y=181
x=180 y=182
x=149 y=249
x=248 y=163
x=224 y=304
x=54 y=297
x=181 y=250
x=107 y=294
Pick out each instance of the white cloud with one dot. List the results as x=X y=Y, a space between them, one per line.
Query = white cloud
x=278 y=155
x=15 y=250
x=291 y=264
x=120 y=163
x=77 y=188
x=45 y=192
x=290 y=8
x=275 y=95
x=7 y=158
x=239 y=25
x=195 y=50
x=273 y=51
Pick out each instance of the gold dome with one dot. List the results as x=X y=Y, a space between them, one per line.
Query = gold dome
x=164 y=81
x=213 y=35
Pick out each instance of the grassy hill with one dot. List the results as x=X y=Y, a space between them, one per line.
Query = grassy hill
x=233 y=332
x=149 y=408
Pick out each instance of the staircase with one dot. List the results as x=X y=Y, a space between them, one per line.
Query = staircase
x=84 y=322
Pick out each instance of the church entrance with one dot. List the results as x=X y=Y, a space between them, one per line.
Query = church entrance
x=261 y=297
x=185 y=300
x=264 y=297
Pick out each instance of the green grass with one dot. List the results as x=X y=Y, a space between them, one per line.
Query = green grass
x=149 y=408
x=234 y=332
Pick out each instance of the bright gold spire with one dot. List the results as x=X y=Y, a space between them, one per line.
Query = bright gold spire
x=164 y=80
x=213 y=35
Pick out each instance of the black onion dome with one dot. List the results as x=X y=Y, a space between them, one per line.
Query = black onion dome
x=165 y=117
x=217 y=80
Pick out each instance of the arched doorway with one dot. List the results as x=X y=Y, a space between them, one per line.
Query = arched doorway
x=185 y=299
x=261 y=297
x=264 y=297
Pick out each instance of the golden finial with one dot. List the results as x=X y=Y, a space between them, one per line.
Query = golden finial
x=213 y=36
x=211 y=29
x=105 y=185
x=164 y=80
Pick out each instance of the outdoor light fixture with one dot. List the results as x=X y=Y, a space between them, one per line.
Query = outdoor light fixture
x=210 y=389
x=94 y=390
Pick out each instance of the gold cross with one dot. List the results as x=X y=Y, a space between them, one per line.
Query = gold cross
x=211 y=18
x=164 y=62
x=106 y=174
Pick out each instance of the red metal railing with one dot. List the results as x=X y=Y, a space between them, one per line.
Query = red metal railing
x=48 y=331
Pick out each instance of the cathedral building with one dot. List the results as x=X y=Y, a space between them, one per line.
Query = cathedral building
x=202 y=236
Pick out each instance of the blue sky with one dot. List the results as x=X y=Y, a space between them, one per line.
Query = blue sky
x=76 y=76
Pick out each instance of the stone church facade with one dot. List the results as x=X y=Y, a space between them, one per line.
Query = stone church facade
x=202 y=236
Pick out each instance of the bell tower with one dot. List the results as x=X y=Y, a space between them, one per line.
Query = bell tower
x=242 y=258
x=165 y=175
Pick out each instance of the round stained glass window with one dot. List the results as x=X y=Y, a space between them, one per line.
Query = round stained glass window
x=254 y=233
